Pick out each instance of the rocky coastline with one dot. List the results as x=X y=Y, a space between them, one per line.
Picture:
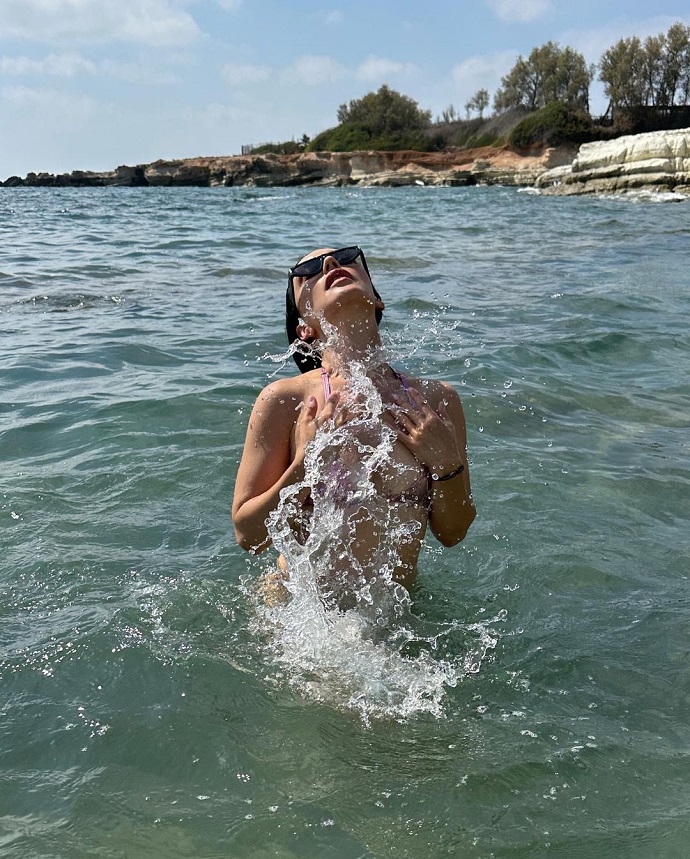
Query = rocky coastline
x=487 y=166
x=657 y=161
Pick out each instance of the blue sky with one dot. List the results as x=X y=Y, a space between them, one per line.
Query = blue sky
x=91 y=84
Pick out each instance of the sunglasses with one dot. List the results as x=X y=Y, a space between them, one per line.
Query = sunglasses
x=312 y=267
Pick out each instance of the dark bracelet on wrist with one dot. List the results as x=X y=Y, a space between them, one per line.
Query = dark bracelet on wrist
x=450 y=476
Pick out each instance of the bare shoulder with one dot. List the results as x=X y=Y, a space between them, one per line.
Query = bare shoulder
x=434 y=391
x=281 y=398
x=281 y=388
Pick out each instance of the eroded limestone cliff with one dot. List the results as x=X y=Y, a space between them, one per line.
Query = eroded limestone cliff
x=657 y=160
x=489 y=165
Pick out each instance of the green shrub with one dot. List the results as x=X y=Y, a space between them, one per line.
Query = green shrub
x=479 y=140
x=288 y=148
x=349 y=137
x=551 y=126
x=342 y=138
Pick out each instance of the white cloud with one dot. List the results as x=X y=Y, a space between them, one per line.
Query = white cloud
x=71 y=65
x=55 y=65
x=152 y=22
x=314 y=71
x=519 y=10
x=378 y=68
x=334 y=17
x=239 y=74
x=229 y=5
x=137 y=72
x=483 y=71
x=49 y=104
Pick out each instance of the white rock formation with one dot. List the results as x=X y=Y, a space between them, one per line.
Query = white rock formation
x=657 y=160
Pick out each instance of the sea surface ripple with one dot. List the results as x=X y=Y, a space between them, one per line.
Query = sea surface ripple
x=142 y=712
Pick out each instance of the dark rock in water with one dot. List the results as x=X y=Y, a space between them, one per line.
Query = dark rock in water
x=132 y=177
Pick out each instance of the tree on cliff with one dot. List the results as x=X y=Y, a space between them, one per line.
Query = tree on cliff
x=623 y=72
x=379 y=120
x=479 y=103
x=550 y=73
x=677 y=64
x=653 y=73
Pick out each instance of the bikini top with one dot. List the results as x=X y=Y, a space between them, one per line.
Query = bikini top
x=417 y=495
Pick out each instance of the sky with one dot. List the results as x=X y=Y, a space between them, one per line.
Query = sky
x=93 y=84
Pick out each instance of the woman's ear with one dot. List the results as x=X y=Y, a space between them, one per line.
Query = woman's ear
x=305 y=332
x=378 y=304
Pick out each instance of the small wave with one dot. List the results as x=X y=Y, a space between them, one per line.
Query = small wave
x=69 y=301
x=646 y=196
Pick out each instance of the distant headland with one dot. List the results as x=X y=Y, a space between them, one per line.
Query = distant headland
x=657 y=161
x=485 y=165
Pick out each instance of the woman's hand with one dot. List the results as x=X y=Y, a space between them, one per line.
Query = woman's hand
x=311 y=419
x=437 y=438
x=428 y=434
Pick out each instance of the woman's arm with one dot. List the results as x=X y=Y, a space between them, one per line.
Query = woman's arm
x=452 y=508
x=267 y=463
x=273 y=456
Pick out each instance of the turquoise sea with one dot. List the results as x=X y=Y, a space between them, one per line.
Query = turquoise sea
x=537 y=703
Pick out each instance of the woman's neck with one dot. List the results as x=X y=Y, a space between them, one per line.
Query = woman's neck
x=357 y=344
x=338 y=356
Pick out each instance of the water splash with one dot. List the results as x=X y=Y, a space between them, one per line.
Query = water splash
x=340 y=629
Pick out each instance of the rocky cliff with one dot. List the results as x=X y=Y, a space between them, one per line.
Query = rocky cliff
x=489 y=166
x=657 y=160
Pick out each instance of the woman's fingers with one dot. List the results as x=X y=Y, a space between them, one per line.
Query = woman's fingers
x=340 y=410
x=426 y=432
x=307 y=411
x=443 y=413
x=327 y=412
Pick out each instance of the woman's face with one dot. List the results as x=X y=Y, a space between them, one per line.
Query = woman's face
x=327 y=290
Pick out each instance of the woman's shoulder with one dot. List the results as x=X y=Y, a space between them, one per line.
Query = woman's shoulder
x=433 y=390
x=292 y=388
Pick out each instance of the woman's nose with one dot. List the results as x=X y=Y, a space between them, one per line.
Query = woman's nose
x=329 y=263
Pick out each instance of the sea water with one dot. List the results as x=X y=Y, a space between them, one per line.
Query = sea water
x=532 y=697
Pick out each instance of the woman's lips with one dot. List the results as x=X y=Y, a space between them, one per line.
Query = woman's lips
x=335 y=275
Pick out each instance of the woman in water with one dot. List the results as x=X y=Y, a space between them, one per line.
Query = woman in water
x=392 y=456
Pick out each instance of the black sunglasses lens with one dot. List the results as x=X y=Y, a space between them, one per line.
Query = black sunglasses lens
x=310 y=267
x=346 y=255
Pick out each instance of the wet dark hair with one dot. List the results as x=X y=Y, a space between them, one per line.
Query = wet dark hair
x=312 y=360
